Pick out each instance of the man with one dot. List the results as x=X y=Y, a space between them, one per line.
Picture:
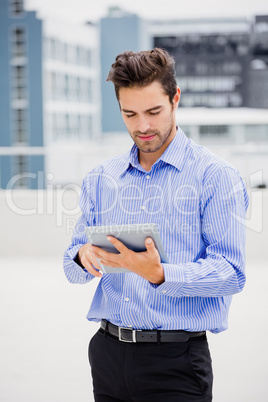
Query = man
x=152 y=342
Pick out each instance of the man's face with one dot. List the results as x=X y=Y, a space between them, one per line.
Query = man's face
x=149 y=116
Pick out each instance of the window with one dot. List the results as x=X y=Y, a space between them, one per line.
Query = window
x=20 y=166
x=86 y=126
x=18 y=42
x=209 y=100
x=231 y=67
x=16 y=6
x=18 y=83
x=71 y=54
x=53 y=85
x=88 y=59
x=201 y=68
x=89 y=91
x=60 y=86
x=181 y=68
x=67 y=125
x=66 y=86
x=55 y=128
x=54 y=49
x=205 y=44
x=72 y=88
x=84 y=56
x=213 y=131
x=19 y=87
x=208 y=84
x=235 y=100
x=71 y=126
x=19 y=122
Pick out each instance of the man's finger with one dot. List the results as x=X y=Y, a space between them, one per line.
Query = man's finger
x=98 y=252
x=92 y=270
x=91 y=264
x=94 y=261
x=118 y=244
x=149 y=244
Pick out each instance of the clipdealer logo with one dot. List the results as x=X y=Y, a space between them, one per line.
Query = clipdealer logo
x=53 y=199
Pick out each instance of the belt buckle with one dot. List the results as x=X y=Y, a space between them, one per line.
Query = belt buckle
x=133 y=331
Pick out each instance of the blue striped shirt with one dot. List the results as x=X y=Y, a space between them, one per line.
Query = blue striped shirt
x=199 y=202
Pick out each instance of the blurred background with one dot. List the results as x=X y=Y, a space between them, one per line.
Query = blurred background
x=59 y=118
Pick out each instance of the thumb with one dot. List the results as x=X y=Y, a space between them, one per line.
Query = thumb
x=149 y=244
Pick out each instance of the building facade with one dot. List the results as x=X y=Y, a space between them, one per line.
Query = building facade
x=21 y=101
x=258 y=66
x=211 y=60
x=71 y=93
x=219 y=63
x=50 y=94
x=71 y=82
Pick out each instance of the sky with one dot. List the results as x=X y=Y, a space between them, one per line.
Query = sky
x=89 y=10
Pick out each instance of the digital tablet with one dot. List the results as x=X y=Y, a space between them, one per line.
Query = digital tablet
x=132 y=236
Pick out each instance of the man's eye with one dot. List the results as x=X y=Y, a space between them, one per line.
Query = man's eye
x=154 y=113
x=130 y=115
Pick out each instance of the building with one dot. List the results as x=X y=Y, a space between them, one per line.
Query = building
x=21 y=101
x=119 y=31
x=221 y=67
x=71 y=93
x=55 y=101
x=258 y=66
x=211 y=59
x=220 y=63
x=50 y=94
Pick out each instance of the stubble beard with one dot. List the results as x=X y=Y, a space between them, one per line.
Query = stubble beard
x=157 y=142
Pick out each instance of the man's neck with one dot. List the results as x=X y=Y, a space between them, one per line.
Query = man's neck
x=147 y=159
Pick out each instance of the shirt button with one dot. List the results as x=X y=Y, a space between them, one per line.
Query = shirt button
x=148 y=177
x=126 y=299
x=164 y=291
x=143 y=207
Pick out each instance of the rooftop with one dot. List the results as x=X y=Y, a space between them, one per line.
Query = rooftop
x=45 y=335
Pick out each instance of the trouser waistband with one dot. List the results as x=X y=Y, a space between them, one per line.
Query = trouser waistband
x=155 y=336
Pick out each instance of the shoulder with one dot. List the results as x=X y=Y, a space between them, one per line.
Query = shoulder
x=105 y=174
x=209 y=165
x=110 y=168
x=217 y=176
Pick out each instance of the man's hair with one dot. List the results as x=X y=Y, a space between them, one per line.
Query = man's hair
x=142 y=68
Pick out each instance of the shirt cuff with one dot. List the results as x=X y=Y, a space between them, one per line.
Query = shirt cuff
x=82 y=272
x=174 y=279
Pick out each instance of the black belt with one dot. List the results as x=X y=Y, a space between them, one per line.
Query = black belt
x=137 y=335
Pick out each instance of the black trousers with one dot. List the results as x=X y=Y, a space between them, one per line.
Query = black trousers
x=148 y=372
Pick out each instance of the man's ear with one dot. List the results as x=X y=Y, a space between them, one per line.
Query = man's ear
x=176 y=98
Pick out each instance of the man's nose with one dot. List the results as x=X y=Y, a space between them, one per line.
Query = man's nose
x=143 y=124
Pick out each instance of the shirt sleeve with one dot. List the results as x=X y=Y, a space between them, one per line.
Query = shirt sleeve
x=221 y=272
x=74 y=272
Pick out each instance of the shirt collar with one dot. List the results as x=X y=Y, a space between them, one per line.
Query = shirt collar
x=173 y=155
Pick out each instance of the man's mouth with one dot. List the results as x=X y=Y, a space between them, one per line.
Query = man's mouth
x=147 y=137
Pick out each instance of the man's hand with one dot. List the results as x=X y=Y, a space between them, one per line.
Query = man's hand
x=146 y=264
x=88 y=260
